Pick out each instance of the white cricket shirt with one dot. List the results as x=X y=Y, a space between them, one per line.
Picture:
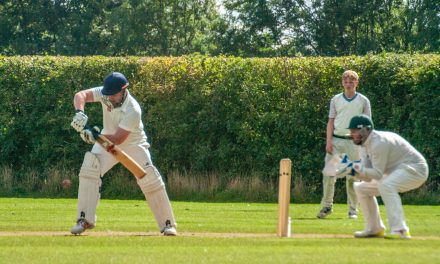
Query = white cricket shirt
x=127 y=117
x=388 y=151
x=342 y=109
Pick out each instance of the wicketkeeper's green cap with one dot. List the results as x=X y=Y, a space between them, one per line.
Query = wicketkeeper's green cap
x=361 y=121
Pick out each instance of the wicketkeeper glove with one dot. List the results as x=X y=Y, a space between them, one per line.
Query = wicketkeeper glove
x=79 y=121
x=365 y=174
x=353 y=169
x=358 y=167
x=89 y=135
x=345 y=167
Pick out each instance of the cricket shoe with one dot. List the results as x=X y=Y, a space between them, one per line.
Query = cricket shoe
x=402 y=234
x=169 y=230
x=369 y=234
x=81 y=226
x=352 y=214
x=325 y=211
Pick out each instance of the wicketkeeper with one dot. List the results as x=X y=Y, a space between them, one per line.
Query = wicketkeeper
x=389 y=165
x=123 y=126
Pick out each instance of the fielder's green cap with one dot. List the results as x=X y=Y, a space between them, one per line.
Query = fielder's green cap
x=361 y=121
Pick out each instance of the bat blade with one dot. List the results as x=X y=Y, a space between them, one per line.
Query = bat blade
x=121 y=156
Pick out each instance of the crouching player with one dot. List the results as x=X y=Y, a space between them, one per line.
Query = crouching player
x=389 y=165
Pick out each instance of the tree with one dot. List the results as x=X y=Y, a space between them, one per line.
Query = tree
x=158 y=27
x=421 y=25
x=357 y=27
x=247 y=27
x=263 y=27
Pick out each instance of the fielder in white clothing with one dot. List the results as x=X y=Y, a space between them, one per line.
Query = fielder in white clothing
x=389 y=165
x=343 y=107
x=123 y=126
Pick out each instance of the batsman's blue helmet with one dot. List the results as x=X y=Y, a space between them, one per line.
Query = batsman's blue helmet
x=114 y=83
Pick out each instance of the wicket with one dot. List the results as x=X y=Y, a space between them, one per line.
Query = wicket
x=284 y=198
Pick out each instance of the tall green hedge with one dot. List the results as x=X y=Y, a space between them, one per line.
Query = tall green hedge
x=225 y=115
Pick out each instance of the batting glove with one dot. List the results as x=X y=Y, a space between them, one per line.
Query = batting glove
x=89 y=135
x=79 y=121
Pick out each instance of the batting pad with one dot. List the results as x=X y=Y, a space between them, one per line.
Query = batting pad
x=154 y=190
x=89 y=183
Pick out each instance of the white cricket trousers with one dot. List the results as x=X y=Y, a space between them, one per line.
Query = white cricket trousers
x=328 y=183
x=402 y=179
x=139 y=153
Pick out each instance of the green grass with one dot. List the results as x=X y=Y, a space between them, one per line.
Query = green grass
x=211 y=233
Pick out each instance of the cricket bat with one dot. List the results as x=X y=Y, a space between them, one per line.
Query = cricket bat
x=121 y=156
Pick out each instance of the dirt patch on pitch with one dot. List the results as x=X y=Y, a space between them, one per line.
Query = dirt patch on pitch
x=152 y=234
x=182 y=234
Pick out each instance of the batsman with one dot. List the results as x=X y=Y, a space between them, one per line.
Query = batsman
x=122 y=125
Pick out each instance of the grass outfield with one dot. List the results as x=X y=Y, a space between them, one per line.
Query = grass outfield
x=37 y=231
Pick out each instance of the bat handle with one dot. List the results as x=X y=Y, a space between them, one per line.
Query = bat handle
x=95 y=133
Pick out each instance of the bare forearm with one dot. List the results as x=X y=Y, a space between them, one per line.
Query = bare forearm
x=81 y=98
x=79 y=101
x=330 y=129
x=114 y=139
x=329 y=136
x=120 y=136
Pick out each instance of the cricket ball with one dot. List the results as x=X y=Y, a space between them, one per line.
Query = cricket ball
x=67 y=183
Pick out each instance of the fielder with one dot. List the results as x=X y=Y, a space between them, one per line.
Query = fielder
x=123 y=126
x=343 y=107
x=389 y=165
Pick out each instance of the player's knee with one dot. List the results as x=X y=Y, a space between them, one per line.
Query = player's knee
x=360 y=188
x=152 y=181
x=387 y=187
x=91 y=168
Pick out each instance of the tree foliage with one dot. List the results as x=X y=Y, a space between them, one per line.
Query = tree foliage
x=262 y=28
x=358 y=27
